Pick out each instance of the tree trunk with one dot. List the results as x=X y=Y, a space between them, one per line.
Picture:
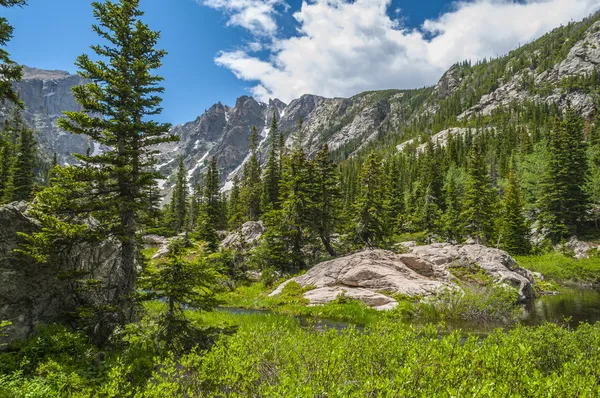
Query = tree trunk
x=327 y=243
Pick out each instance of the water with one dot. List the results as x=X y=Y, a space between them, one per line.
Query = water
x=569 y=308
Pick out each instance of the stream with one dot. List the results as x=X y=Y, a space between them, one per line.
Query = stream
x=569 y=308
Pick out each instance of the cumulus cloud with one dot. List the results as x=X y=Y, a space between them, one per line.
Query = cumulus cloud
x=344 y=47
x=258 y=16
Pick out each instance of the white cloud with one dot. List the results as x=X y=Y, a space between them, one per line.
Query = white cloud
x=258 y=16
x=344 y=47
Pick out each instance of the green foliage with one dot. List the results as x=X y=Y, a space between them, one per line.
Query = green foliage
x=390 y=360
x=513 y=226
x=118 y=104
x=479 y=202
x=368 y=225
x=251 y=186
x=9 y=71
x=562 y=269
x=181 y=281
x=563 y=202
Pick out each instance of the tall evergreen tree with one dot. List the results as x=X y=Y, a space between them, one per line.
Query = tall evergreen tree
x=211 y=217
x=327 y=200
x=451 y=219
x=272 y=176
x=369 y=226
x=178 y=209
x=24 y=166
x=9 y=71
x=251 y=184
x=236 y=212
x=513 y=226
x=118 y=103
x=564 y=202
x=479 y=201
x=8 y=150
x=393 y=194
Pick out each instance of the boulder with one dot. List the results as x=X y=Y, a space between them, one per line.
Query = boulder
x=496 y=263
x=245 y=237
x=371 y=276
x=33 y=293
x=374 y=271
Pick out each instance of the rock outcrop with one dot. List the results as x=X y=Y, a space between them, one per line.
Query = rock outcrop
x=370 y=276
x=33 y=293
x=245 y=238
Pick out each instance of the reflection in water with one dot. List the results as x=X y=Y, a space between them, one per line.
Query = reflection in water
x=570 y=308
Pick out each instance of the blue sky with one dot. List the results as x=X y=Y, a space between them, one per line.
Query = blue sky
x=221 y=49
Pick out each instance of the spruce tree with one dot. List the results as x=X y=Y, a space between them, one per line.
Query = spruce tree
x=479 y=201
x=514 y=231
x=24 y=166
x=251 y=184
x=368 y=223
x=211 y=208
x=8 y=150
x=564 y=202
x=180 y=281
x=271 y=176
x=236 y=211
x=392 y=204
x=177 y=216
x=451 y=220
x=327 y=200
x=9 y=71
x=118 y=104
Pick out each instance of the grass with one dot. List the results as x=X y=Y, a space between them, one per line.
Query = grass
x=562 y=269
x=291 y=302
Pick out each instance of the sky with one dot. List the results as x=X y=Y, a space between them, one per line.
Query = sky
x=219 y=50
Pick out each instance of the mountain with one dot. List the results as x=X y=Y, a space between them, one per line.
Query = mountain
x=557 y=69
x=47 y=94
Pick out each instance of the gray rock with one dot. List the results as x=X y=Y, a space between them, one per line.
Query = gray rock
x=32 y=293
x=247 y=237
x=423 y=271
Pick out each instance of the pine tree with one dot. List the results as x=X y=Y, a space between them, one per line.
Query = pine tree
x=272 y=176
x=177 y=216
x=369 y=227
x=7 y=156
x=250 y=191
x=564 y=202
x=180 y=282
x=236 y=212
x=513 y=227
x=118 y=104
x=9 y=71
x=327 y=199
x=451 y=220
x=479 y=201
x=211 y=208
x=24 y=166
x=288 y=228
x=392 y=204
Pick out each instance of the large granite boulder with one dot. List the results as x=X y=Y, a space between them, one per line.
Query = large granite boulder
x=33 y=293
x=372 y=276
x=246 y=237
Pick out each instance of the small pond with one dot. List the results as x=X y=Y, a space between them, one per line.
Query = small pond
x=570 y=308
